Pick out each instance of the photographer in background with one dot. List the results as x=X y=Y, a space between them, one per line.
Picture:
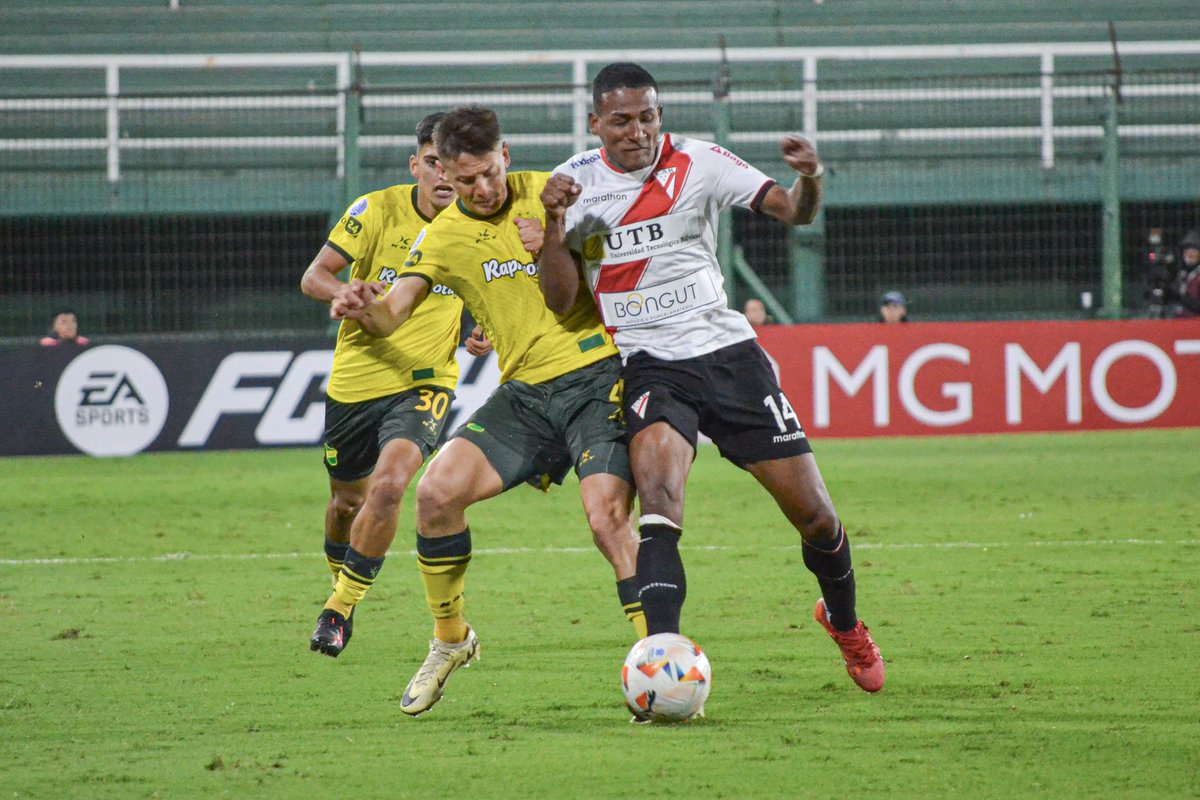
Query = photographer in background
x=64 y=330
x=1189 y=282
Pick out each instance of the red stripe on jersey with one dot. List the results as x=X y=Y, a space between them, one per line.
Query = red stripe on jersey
x=653 y=201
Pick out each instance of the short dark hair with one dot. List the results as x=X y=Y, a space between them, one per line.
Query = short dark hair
x=62 y=311
x=473 y=130
x=621 y=75
x=425 y=128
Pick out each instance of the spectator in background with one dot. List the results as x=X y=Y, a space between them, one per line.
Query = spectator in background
x=64 y=330
x=756 y=312
x=1189 y=284
x=893 y=308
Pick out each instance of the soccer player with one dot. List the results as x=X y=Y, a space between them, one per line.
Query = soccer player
x=558 y=404
x=639 y=216
x=387 y=398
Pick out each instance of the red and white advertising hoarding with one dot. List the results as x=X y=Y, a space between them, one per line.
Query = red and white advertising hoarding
x=988 y=377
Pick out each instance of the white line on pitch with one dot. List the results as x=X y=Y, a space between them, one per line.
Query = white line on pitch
x=167 y=557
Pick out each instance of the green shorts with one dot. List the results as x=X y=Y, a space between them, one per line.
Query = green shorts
x=531 y=429
x=355 y=433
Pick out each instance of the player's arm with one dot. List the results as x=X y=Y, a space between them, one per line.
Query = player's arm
x=798 y=205
x=558 y=272
x=380 y=316
x=320 y=280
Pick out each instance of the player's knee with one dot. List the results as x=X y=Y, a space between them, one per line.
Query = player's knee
x=609 y=522
x=819 y=524
x=346 y=504
x=437 y=495
x=388 y=489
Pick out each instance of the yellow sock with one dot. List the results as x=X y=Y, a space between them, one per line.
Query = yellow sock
x=627 y=594
x=450 y=629
x=356 y=576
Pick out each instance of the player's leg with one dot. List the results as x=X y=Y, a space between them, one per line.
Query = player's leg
x=753 y=424
x=404 y=428
x=374 y=527
x=797 y=487
x=607 y=501
x=345 y=500
x=459 y=476
x=351 y=449
x=662 y=421
x=586 y=406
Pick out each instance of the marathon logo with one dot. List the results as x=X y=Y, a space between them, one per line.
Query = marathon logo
x=494 y=269
x=607 y=197
x=655 y=303
x=638 y=240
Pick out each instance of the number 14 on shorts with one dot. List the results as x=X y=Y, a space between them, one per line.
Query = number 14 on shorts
x=782 y=411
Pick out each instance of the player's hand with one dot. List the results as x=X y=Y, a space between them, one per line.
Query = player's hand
x=533 y=235
x=351 y=299
x=478 y=344
x=800 y=154
x=560 y=193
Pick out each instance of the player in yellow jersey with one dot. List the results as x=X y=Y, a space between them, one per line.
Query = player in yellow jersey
x=558 y=404
x=387 y=398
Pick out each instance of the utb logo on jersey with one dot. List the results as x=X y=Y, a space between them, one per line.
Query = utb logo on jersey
x=331 y=455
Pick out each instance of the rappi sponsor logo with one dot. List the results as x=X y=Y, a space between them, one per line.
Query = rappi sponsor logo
x=866 y=380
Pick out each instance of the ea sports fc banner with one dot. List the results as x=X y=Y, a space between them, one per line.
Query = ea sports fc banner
x=121 y=399
x=988 y=377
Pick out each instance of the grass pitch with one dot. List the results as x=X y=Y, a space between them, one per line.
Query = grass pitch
x=1035 y=598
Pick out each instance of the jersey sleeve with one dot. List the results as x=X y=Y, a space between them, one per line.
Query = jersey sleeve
x=356 y=232
x=427 y=260
x=735 y=182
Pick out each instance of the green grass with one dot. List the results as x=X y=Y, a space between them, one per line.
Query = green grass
x=1035 y=598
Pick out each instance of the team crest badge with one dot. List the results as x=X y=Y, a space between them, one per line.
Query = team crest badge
x=639 y=406
x=666 y=179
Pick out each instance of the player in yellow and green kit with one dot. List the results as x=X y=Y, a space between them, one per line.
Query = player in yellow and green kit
x=387 y=397
x=558 y=404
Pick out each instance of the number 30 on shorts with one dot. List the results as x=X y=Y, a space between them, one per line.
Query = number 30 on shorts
x=782 y=411
x=435 y=403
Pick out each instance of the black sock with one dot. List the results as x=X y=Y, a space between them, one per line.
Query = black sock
x=663 y=585
x=362 y=568
x=830 y=562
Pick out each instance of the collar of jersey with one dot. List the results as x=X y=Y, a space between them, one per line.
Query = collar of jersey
x=640 y=175
x=416 y=207
x=504 y=207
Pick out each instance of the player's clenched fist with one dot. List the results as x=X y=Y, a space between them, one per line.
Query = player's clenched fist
x=800 y=155
x=532 y=234
x=351 y=298
x=560 y=193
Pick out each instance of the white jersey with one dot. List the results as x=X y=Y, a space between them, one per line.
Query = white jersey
x=648 y=244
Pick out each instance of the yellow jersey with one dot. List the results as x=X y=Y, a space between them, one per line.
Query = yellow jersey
x=483 y=261
x=374 y=235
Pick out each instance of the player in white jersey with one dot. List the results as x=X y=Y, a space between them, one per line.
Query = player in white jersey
x=638 y=218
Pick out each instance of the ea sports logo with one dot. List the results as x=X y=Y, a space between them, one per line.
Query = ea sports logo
x=111 y=401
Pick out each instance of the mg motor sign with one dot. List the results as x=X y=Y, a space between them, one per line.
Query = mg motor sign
x=989 y=377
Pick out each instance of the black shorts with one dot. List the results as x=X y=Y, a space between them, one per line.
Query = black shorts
x=356 y=432
x=527 y=430
x=731 y=395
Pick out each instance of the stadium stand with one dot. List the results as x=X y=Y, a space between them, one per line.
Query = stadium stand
x=947 y=175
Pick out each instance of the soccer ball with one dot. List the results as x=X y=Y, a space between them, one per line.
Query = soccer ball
x=666 y=678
